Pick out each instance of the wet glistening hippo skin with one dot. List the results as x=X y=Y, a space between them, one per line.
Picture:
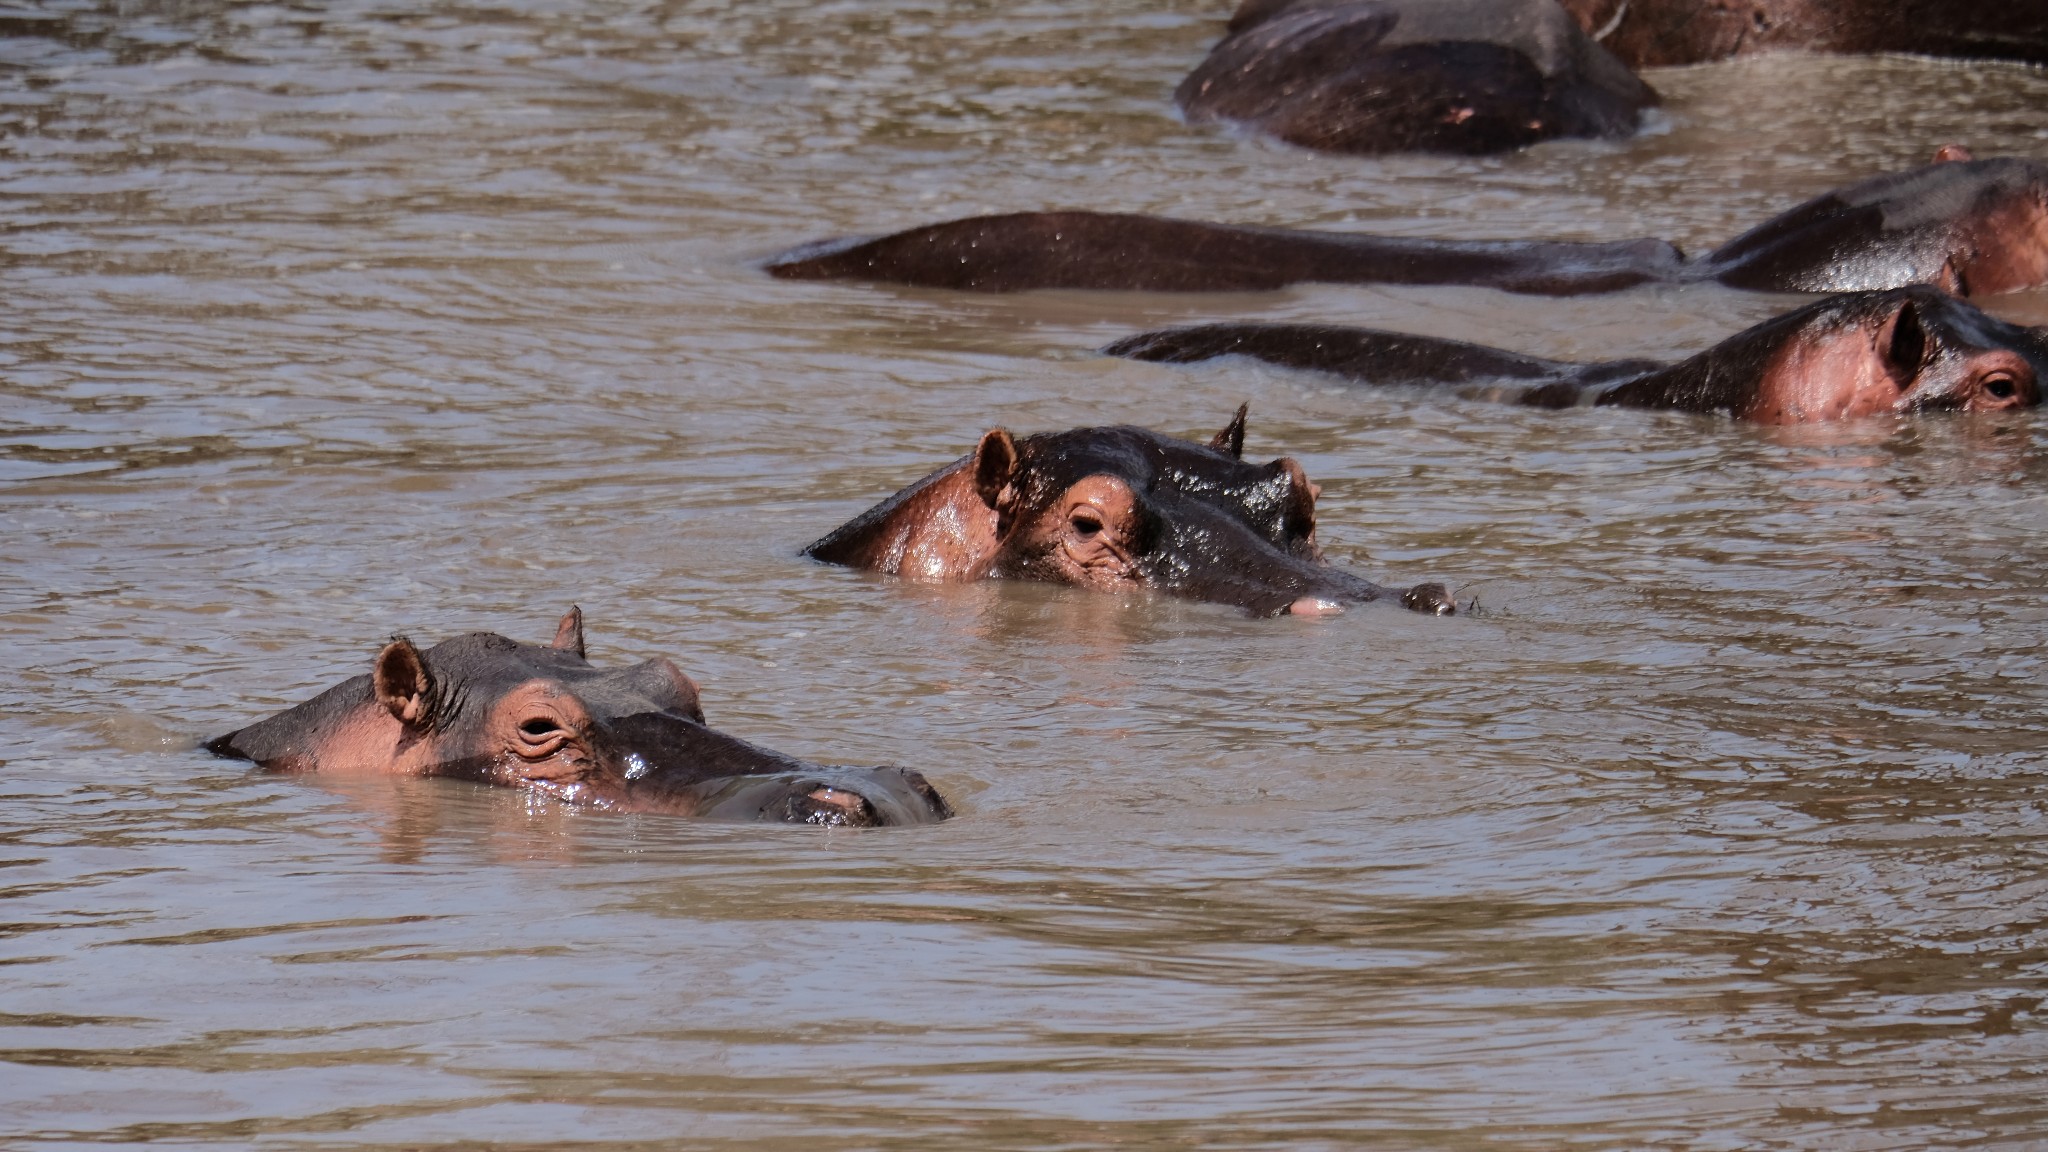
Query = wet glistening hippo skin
x=1975 y=227
x=1480 y=76
x=482 y=707
x=1854 y=355
x=1654 y=33
x=1368 y=76
x=1116 y=508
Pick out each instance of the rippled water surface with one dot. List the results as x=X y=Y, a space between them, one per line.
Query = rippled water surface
x=1717 y=825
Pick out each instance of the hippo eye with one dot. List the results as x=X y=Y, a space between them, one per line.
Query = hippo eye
x=2000 y=386
x=1086 y=523
x=540 y=726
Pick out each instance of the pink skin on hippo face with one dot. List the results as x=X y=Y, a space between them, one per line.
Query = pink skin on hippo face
x=485 y=708
x=1111 y=509
x=1898 y=361
x=1374 y=76
x=1854 y=356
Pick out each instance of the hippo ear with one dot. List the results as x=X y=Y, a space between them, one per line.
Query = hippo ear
x=569 y=633
x=1904 y=343
x=1951 y=153
x=1231 y=439
x=403 y=684
x=995 y=464
x=1301 y=500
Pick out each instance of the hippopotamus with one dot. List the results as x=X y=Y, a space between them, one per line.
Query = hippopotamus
x=1858 y=354
x=1657 y=33
x=1117 y=508
x=1975 y=227
x=1369 y=76
x=485 y=708
x=1128 y=252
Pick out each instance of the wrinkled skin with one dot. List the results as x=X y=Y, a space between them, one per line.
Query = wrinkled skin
x=1974 y=227
x=1371 y=76
x=1116 y=508
x=1657 y=33
x=485 y=708
x=1846 y=357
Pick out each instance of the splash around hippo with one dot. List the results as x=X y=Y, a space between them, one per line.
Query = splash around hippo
x=1855 y=355
x=485 y=708
x=1117 y=508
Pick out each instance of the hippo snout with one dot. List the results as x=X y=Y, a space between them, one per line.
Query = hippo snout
x=1433 y=599
x=836 y=797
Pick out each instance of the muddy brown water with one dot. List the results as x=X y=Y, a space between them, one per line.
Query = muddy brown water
x=1718 y=825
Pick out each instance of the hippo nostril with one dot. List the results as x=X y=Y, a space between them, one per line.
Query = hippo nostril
x=541 y=736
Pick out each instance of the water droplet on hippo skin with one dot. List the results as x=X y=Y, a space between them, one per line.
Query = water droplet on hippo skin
x=636 y=766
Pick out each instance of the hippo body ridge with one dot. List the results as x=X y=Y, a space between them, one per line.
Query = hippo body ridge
x=1973 y=227
x=1844 y=357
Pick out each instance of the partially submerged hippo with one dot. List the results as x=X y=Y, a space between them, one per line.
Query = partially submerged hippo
x=485 y=708
x=1975 y=227
x=1654 y=33
x=1365 y=76
x=1859 y=354
x=1116 y=508
x=1127 y=252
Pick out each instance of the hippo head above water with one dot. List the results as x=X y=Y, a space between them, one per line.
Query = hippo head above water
x=1115 y=508
x=1856 y=355
x=485 y=708
x=1847 y=357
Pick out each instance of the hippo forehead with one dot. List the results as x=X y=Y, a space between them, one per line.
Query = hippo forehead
x=1157 y=468
x=1951 y=321
x=482 y=666
x=1961 y=324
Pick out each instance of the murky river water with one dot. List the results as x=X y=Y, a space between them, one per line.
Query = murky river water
x=1718 y=826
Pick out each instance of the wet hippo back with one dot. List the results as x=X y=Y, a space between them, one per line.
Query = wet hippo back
x=1662 y=33
x=1019 y=251
x=1368 y=76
